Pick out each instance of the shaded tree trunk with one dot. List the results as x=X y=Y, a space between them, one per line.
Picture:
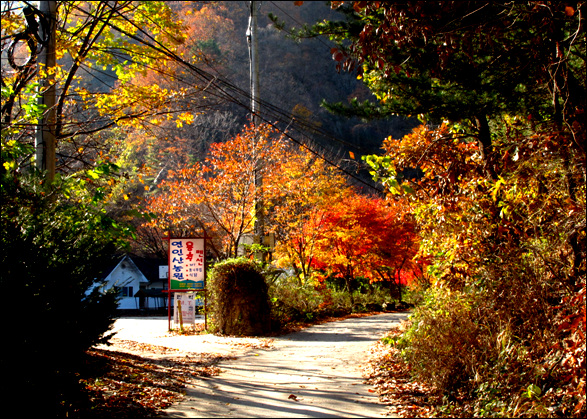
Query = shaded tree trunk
x=484 y=139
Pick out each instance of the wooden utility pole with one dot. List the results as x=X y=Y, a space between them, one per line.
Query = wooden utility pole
x=45 y=142
x=252 y=42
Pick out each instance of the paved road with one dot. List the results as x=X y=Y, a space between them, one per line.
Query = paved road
x=154 y=330
x=313 y=373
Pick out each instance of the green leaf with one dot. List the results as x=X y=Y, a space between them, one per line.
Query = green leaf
x=408 y=189
x=533 y=391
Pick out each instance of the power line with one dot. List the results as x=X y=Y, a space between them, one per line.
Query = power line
x=226 y=90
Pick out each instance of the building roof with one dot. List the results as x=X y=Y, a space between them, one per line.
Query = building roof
x=126 y=262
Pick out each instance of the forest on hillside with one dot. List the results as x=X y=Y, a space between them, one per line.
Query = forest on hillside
x=295 y=78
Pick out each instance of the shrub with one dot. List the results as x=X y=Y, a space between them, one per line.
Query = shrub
x=52 y=251
x=239 y=300
x=441 y=345
x=496 y=347
x=294 y=302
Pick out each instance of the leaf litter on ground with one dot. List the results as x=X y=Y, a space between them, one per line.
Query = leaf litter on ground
x=391 y=379
x=130 y=379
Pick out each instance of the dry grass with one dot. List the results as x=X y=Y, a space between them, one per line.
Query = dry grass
x=392 y=381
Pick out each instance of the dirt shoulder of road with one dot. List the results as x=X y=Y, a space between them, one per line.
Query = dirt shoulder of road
x=391 y=379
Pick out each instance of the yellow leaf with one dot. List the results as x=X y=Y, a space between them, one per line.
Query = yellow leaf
x=9 y=165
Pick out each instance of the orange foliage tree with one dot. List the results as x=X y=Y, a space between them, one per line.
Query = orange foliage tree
x=217 y=196
x=319 y=221
x=300 y=190
x=368 y=237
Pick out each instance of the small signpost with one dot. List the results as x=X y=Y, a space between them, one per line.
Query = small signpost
x=185 y=309
x=186 y=274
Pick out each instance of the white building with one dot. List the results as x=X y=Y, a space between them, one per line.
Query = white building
x=128 y=279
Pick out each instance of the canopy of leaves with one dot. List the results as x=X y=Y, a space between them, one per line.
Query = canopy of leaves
x=301 y=190
x=367 y=237
x=218 y=195
x=108 y=42
x=458 y=60
x=497 y=189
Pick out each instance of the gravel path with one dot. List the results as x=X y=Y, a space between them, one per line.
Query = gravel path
x=312 y=373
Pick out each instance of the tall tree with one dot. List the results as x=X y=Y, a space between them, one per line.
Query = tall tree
x=217 y=196
x=367 y=237
x=100 y=47
x=300 y=190
x=467 y=62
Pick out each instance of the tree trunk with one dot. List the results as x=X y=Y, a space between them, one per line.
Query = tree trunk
x=484 y=139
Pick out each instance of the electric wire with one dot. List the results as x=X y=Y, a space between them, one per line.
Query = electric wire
x=269 y=112
x=244 y=96
x=225 y=90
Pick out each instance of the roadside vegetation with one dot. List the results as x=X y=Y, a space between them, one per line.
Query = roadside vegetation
x=247 y=298
x=499 y=199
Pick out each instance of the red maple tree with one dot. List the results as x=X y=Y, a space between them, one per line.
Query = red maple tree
x=371 y=238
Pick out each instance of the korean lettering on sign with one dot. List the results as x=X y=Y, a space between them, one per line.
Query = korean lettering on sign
x=186 y=264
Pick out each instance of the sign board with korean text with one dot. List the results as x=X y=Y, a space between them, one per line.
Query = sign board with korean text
x=186 y=264
x=187 y=302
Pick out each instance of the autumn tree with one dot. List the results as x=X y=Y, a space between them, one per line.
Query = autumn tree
x=467 y=62
x=367 y=237
x=299 y=191
x=100 y=47
x=496 y=178
x=218 y=195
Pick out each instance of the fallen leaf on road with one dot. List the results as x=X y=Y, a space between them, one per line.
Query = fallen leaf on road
x=260 y=344
x=293 y=397
x=131 y=379
x=395 y=386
